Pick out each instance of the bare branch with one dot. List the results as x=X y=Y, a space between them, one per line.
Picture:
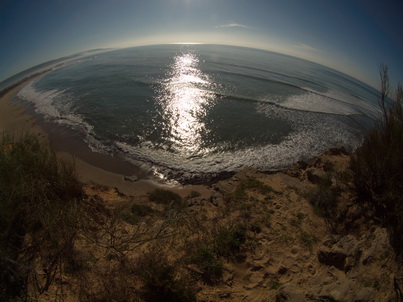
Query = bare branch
x=383 y=73
x=399 y=94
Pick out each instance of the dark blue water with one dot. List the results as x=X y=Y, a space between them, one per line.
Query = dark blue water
x=186 y=110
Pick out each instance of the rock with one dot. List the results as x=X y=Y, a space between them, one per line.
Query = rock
x=282 y=270
x=379 y=247
x=345 y=290
x=365 y=294
x=336 y=259
x=302 y=165
x=290 y=292
x=225 y=295
x=340 y=252
x=336 y=151
x=256 y=268
x=340 y=291
x=132 y=178
x=294 y=250
x=313 y=178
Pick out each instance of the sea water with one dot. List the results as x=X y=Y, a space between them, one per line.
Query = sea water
x=188 y=111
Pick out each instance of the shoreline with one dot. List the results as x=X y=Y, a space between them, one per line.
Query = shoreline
x=91 y=167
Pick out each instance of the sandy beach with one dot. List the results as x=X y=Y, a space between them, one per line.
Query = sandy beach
x=14 y=119
x=285 y=249
x=91 y=167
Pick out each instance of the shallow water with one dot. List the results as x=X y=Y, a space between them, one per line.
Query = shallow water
x=182 y=112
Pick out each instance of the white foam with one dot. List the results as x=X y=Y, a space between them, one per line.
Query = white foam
x=314 y=102
x=312 y=136
x=42 y=101
x=54 y=105
x=330 y=102
x=361 y=106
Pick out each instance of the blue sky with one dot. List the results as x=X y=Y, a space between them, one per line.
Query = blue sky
x=353 y=36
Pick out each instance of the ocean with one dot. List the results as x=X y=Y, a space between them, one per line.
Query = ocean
x=188 y=112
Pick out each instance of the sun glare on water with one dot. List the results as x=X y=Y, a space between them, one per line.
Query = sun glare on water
x=184 y=100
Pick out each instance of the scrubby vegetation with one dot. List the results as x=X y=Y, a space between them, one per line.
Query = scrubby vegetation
x=226 y=243
x=60 y=243
x=165 y=197
x=324 y=198
x=38 y=205
x=161 y=283
x=377 y=165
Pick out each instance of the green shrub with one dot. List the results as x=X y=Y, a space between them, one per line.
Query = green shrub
x=253 y=183
x=226 y=243
x=134 y=213
x=165 y=197
x=377 y=165
x=250 y=183
x=229 y=241
x=324 y=198
x=237 y=196
x=161 y=283
x=208 y=262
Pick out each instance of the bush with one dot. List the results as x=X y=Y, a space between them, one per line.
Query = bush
x=226 y=243
x=250 y=183
x=209 y=264
x=229 y=241
x=165 y=197
x=161 y=283
x=324 y=200
x=253 y=183
x=377 y=165
x=38 y=195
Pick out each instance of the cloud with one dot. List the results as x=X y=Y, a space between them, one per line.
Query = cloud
x=302 y=46
x=232 y=25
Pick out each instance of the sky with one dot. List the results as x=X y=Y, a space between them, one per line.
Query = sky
x=352 y=36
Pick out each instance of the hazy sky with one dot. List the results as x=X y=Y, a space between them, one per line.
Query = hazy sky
x=353 y=36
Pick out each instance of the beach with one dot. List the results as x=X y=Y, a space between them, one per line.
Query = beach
x=262 y=232
x=91 y=167
x=14 y=119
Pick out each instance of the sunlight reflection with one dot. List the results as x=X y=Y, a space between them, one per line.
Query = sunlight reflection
x=184 y=98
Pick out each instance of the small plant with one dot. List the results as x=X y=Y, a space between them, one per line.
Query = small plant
x=307 y=240
x=166 y=197
x=324 y=199
x=135 y=213
x=250 y=183
x=208 y=262
x=229 y=241
x=300 y=216
x=253 y=183
x=237 y=196
x=226 y=243
x=295 y=223
x=161 y=283
x=141 y=210
x=274 y=284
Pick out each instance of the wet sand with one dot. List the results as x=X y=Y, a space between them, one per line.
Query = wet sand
x=91 y=167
